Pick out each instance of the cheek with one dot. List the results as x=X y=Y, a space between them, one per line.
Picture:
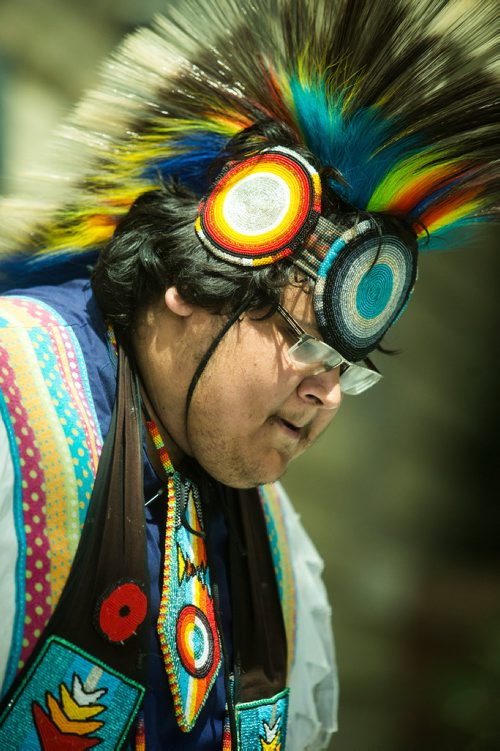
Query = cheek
x=238 y=406
x=230 y=410
x=233 y=445
x=246 y=384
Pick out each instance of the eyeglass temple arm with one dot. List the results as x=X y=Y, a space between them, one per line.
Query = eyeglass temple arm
x=291 y=322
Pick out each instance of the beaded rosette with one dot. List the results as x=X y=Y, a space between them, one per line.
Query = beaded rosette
x=260 y=210
x=267 y=208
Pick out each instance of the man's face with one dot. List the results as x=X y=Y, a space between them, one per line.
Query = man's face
x=252 y=412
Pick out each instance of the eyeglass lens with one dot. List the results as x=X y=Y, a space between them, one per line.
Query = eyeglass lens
x=353 y=380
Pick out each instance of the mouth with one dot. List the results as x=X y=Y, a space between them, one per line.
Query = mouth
x=291 y=430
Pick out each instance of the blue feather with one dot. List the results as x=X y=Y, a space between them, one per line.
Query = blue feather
x=354 y=145
x=434 y=197
x=20 y=270
x=191 y=166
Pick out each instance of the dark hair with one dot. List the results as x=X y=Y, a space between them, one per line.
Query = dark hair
x=155 y=246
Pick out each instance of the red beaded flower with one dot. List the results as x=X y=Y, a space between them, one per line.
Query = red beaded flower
x=121 y=611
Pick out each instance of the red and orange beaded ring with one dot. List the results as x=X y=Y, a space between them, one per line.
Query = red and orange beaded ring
x=262 y=209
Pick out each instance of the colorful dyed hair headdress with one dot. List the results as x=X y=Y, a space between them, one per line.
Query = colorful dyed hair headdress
x=395 y=102
x=268 y=207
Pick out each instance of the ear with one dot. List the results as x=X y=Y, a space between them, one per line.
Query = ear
x=176 y=303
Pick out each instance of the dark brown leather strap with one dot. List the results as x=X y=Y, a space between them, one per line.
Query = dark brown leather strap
x=259 y=631
x=112 y=546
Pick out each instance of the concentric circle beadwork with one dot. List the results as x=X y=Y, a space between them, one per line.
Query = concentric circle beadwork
x=195 y=641
x=260 y=210
x=363 y=291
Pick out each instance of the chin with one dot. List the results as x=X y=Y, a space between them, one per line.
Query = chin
x=244 y=476
x=245 y=482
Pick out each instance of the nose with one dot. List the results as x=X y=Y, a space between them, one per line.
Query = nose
x=321 y=389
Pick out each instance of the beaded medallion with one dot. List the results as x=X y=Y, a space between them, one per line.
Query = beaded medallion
x=186 y=625
x=260 y=210
x=69 y=700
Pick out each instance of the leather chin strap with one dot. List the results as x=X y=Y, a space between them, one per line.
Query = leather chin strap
x=208 y=354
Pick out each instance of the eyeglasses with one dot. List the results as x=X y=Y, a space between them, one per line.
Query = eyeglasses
x=309 y=351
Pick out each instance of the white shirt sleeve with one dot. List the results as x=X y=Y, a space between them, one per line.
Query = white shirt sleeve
x=8 y=550
x=313 y=681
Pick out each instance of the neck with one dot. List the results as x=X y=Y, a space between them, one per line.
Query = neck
x=176 y=454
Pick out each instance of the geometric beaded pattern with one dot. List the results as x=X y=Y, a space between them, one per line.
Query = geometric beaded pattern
x=69 y=700
x=262 y=725
x=186 y=625
x=47 y=405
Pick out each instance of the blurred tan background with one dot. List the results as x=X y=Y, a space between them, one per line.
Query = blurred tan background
x=401 y=496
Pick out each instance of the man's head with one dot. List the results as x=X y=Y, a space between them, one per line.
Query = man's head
x=170 y=299
x=253 y=410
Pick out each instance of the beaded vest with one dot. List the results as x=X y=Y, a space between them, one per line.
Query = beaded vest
x=68 y=690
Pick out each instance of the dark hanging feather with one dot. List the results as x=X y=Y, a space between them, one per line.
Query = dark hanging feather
x=400 y=98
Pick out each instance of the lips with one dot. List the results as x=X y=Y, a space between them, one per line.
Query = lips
x=290 y=428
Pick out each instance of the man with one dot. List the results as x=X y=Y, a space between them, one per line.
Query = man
x=257 y=205
x=241 y=426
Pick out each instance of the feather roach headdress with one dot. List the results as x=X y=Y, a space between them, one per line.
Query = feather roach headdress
x=399 y=98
